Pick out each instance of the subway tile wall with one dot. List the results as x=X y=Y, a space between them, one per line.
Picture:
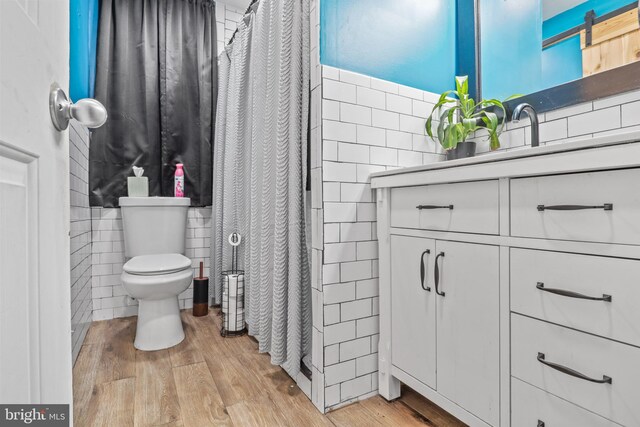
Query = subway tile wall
x=110 y=300
x=80 y=235
x=317 y=340
x=360 y=125
x=227 y=18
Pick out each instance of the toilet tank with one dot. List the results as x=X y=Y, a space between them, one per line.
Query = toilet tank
x=154 y=225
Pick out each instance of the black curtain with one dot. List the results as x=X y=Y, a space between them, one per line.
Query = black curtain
x=157 y=76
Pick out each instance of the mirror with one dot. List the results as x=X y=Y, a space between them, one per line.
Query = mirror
x=531 y=45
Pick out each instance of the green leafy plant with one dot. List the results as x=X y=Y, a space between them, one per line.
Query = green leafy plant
x=459 y=117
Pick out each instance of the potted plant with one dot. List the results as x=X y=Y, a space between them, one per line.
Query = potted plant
x=459 y=117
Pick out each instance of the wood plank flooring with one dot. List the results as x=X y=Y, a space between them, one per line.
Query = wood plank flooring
x=208 y=380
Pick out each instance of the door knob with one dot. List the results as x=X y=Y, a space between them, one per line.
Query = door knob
x=89 y=112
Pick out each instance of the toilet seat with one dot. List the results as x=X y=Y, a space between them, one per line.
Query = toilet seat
x=157 y=264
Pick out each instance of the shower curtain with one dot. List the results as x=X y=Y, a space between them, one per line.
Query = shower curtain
x=260 y=174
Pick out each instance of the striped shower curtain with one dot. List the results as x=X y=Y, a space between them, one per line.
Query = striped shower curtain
x=260 y=173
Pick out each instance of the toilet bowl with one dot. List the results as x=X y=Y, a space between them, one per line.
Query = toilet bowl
x=156 y=281
x=157 y=270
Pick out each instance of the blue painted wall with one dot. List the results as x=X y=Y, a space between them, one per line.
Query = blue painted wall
x=83 y=27
x=561 y=63
x=511 y=47
x=411 y=42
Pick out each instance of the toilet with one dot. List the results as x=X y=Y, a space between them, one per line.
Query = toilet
x=156 y=271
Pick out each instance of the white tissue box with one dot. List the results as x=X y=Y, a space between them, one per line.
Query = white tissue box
x=138 y=186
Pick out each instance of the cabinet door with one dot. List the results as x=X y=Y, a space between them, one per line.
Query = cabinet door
x=413 y=315
x=468 y=327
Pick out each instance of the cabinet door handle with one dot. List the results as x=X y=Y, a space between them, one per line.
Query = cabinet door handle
x=606 y=207
x=436 y=274
x=605 y=379
x=571 y=294
x=422 y=270
x=421 y=207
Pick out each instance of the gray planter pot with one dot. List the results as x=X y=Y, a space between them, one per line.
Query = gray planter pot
x=462 y=150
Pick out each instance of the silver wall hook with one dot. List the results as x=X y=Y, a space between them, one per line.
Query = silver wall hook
x=88 y=112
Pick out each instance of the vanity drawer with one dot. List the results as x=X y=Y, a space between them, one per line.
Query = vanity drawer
x=593 y=357
x=530 y=406
x=470 y=207
x=535 y=203
x=536 y=275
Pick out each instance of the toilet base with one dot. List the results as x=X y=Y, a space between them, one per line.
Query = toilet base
x=159 y=325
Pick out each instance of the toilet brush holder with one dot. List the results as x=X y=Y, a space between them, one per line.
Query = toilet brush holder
x=201 y=294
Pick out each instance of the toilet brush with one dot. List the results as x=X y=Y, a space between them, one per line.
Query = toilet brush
x=201 y=294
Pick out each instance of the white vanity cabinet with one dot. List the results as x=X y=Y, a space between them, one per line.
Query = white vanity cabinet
x=468 y=327
x=510 y=284
x=413 y=308
x=444 y=319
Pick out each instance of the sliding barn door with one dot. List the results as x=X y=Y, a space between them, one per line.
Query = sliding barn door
x=615 y=42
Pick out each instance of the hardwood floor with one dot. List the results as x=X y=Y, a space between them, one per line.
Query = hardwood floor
x=208 y=380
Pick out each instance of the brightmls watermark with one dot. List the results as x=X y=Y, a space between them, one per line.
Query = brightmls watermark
x=34 y=415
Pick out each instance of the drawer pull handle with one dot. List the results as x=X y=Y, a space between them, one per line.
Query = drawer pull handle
x=436 y=274
x=571 y=294
x=606 y=207
x=605 y=379
x=422 y=270
x=421 y=207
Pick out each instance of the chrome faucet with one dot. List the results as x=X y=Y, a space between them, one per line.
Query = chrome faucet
x=535 y=125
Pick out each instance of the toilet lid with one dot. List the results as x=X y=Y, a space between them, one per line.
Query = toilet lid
x=148 y=265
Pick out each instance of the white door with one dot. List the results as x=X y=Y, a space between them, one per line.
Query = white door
x=35 y=318
x=413 y=308
x=468 y=327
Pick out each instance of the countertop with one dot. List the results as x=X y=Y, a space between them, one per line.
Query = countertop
x=493 y=157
